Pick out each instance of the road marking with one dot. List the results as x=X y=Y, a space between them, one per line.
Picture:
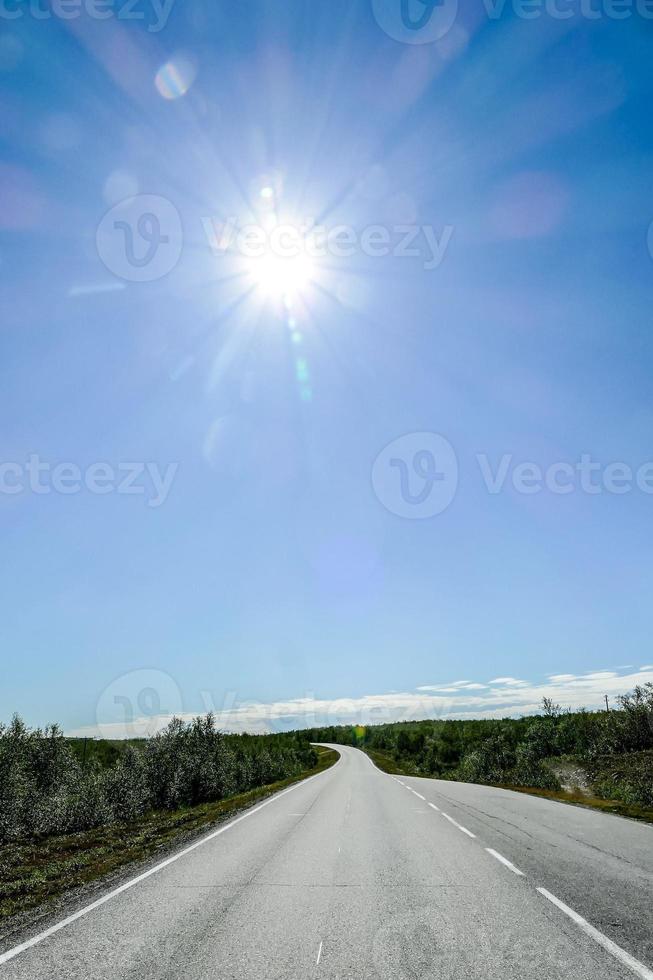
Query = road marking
x=458 y=825
x=420 y=796
x=319 y=955
x=434 y=807
x=607 y=944
x=11 y=953
x=508 y=864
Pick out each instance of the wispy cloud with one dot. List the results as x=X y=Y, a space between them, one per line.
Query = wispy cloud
x=453 y=688
x=509 y=682
x=506 y=697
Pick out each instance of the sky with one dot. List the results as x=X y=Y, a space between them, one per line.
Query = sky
x=325 y=360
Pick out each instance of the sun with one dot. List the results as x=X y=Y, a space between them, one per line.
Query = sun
x=280 y=278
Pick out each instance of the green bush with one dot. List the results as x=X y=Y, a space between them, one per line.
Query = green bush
x=514 y=750
x=627 y=777
x=47 y=786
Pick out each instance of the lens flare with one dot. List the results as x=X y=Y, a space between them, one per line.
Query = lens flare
x=283 y=278
x=175 y=77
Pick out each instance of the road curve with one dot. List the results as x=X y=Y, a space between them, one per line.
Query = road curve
x=353 y=874
x=599 y=864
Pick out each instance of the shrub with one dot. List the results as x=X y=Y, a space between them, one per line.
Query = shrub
x=514 y=750
x=45 y=789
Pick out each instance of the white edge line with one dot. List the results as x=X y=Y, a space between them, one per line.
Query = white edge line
x=11 y=953
x=458 y=825
x=319 y=955
x=607 y=944
x=508 y=864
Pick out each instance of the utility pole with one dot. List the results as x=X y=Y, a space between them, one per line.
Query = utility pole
x=607 y=706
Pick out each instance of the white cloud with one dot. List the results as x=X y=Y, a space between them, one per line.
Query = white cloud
x=508 y=697
x=508 y=681
x=434 y=687
x=453 y=688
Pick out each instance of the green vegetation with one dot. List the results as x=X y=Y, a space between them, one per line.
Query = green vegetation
x=35 y=869
x=612 y=749
x=50 y=785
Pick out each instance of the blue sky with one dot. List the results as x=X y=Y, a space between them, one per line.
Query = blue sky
x=276 y=569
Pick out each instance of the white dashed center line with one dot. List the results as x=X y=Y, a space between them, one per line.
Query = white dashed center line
x=642 y=971
x=508 y=864
x=458 y=825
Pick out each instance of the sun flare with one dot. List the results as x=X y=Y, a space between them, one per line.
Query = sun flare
x=279 y=277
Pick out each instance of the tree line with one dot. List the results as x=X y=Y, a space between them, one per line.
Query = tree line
x=51 y=785
x=613 y=746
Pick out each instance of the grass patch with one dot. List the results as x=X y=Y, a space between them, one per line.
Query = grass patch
x=387 y=764
x=35 y=873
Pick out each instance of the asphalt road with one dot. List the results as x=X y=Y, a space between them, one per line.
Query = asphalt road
x=355 y=874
